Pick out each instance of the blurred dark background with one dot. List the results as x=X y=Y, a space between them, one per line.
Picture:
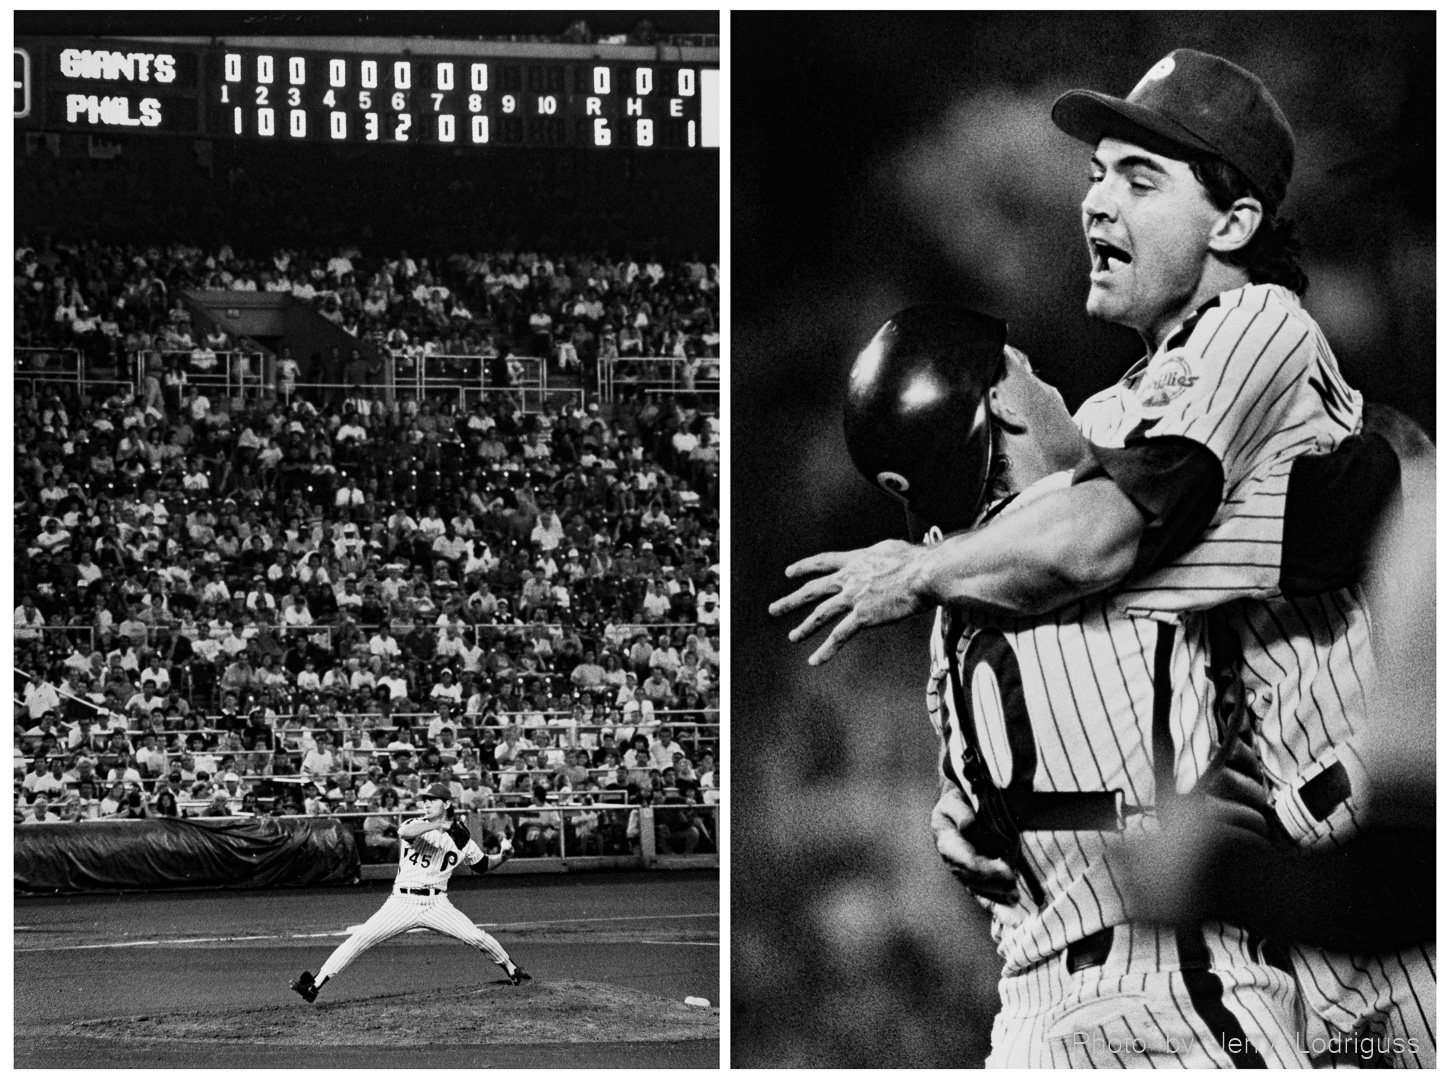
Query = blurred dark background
x=882 y=160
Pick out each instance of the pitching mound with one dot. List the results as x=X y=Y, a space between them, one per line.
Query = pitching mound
x=536 y=1013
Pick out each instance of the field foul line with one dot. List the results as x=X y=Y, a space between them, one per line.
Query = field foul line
x=705 y=944
x=351 y=929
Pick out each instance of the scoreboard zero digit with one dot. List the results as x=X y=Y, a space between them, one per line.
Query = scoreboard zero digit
x=303 y=95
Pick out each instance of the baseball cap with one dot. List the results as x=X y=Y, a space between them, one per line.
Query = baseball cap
x=437 y=791
x=1199 y=102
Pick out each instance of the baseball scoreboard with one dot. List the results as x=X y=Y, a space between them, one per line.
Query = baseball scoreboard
x=309 y=95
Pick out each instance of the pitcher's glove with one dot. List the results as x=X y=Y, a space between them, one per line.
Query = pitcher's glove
x=1180 y=873
x=459 y=833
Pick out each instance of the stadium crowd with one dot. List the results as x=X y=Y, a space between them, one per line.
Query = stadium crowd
x=322 y=601
x=113 y=302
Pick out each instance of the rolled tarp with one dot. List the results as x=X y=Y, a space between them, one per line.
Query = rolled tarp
x=184 y=853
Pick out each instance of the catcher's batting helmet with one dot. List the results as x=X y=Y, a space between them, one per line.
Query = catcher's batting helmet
x=916 y=419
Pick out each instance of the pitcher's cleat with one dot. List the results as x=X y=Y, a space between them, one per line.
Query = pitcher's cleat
x=304 y=985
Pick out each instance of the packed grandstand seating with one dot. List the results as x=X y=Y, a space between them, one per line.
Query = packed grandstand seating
x=109 y=303
x=321 y=596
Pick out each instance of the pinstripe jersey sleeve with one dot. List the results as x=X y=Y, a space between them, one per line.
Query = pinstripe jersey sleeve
x=1251 y=378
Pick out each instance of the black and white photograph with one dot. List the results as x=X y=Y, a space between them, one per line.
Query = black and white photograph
x=1083 y=573
x=367 y=566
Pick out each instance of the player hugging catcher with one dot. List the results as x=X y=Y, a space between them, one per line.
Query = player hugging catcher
x=432 y=847
x=1150 y=639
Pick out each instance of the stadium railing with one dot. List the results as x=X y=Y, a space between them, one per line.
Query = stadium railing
x=468 y=378
x=236 y=376
x=66 y=366
x=686 y=732
x=622 y=633
x=660 y=374
x=562 y=724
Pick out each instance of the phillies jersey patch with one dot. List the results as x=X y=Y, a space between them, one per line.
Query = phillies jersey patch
x=1166 y=380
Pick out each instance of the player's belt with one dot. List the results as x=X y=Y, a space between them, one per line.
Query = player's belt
x=1066 y=811
x=423 y=892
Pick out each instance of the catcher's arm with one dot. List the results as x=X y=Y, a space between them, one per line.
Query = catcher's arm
x=1064 y=546
x=990 y=879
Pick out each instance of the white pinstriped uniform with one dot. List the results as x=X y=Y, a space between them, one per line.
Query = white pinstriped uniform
x=419 y=869
x=1250 y=377
x=1307 y=664
x=1307 y=670
x=1077 y=692
x=1140 y=1009
x=1087 y=683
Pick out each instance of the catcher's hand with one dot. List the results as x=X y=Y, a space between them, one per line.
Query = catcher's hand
x=991 y=879
x=870 y=587
x=459 y=833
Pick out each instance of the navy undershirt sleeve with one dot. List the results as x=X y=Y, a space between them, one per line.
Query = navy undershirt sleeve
x=1175 y=482
x=1334 y=502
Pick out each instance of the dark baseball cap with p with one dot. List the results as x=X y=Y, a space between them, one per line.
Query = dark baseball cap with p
x=1198 y=103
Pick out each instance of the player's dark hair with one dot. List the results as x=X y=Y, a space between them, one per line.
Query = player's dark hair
x=1271 y=256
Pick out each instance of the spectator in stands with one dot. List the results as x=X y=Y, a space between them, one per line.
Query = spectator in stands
x=638 y=761
x=218 y=806
x=664 y=748
x=114 y=800
x=539 y=830
x=40 y=813
x=657 y=688
x=28 y=619
x=52 y=782
x=677 y=827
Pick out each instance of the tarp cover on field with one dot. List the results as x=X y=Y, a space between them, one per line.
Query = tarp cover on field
x=178 y=853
